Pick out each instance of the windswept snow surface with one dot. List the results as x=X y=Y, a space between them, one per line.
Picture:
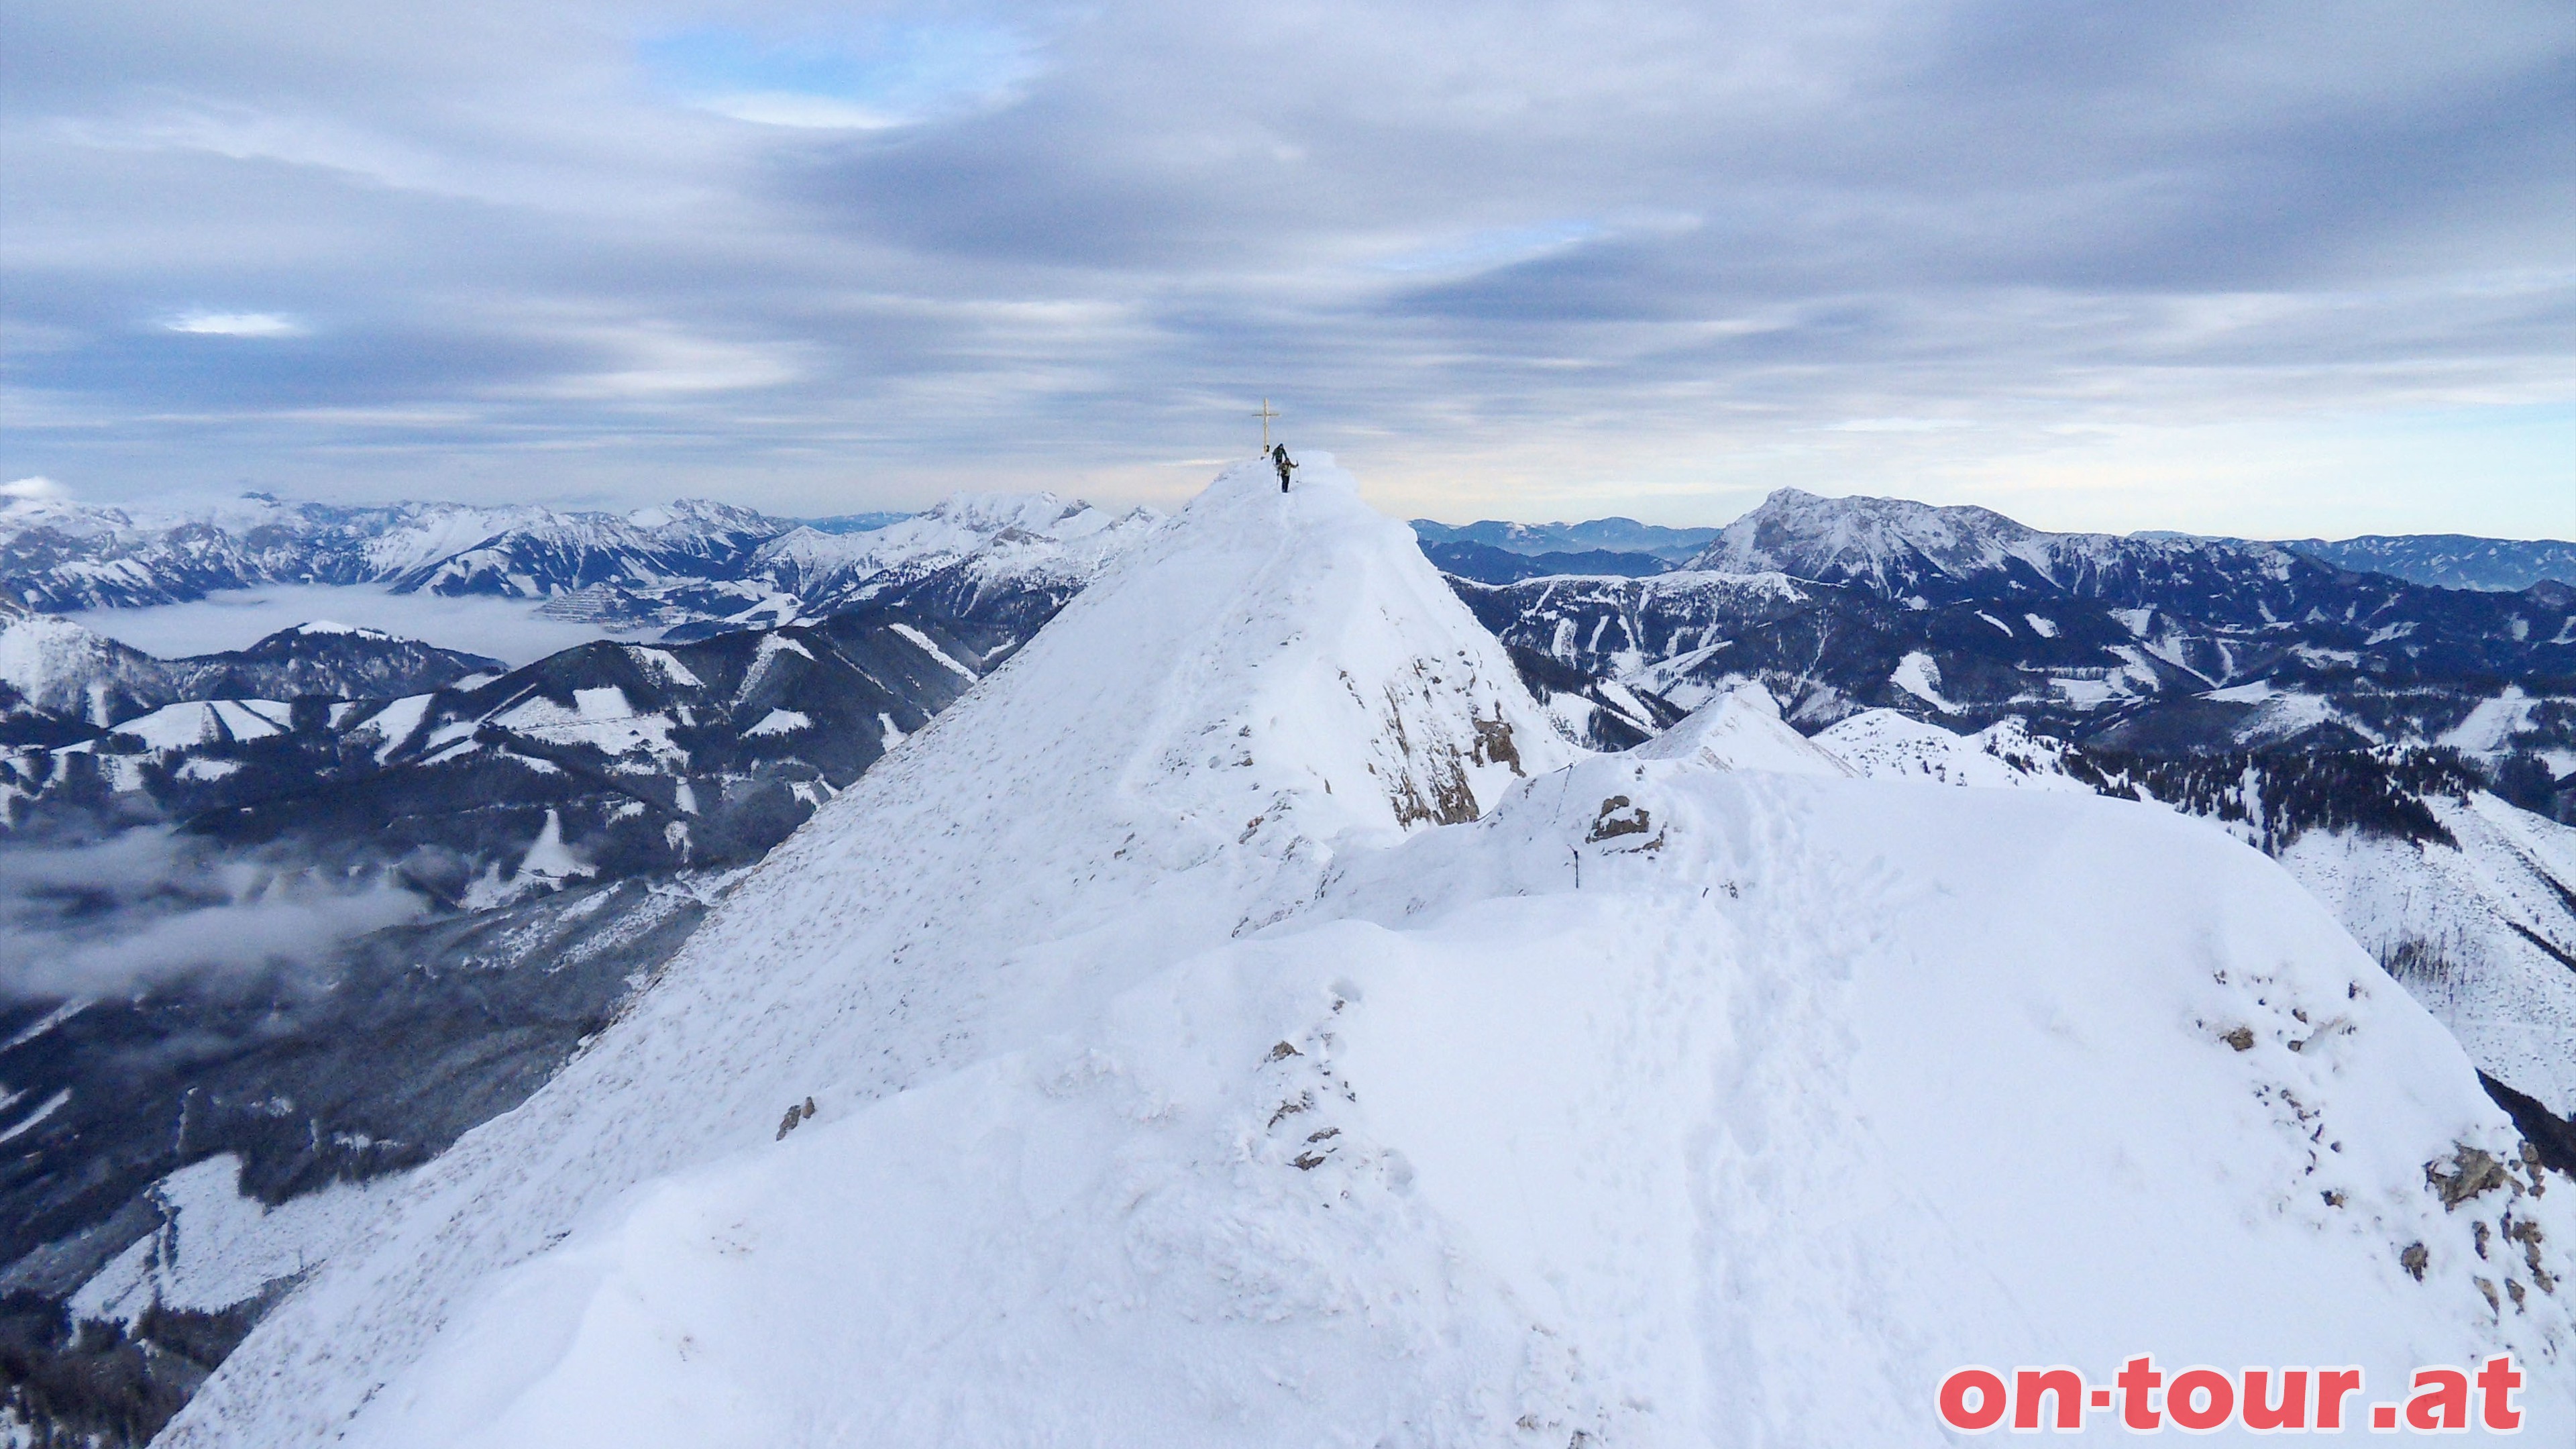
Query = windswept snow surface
x=1171 y=1094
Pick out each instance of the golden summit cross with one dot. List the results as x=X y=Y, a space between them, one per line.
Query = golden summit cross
x=1265 y=415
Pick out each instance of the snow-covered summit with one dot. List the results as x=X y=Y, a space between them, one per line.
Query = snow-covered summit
x=1899 y=548
x=1886 y=745
x=1174 y=1082
x=1813 y=537
x=329 y=628
x=1267 y=682
x=60 y=667
x=1742 y=730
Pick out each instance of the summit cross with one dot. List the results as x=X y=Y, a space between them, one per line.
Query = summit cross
x=1265 y=415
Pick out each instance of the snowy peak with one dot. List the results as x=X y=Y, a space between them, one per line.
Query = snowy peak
x=1900 y=549
x=1891 y=544
x=1027 y=536
x=1742 y=730
x=1194 y=1095
x=1883 y=744
x=1335 y=678
x=1255 y=690
x=542 y=552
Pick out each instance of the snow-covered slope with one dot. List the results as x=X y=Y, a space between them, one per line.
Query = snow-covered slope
x=1742 y=730
x=2475 y=916
x=1886 y=745
x=66 y=670
x=1165 y=1090
x=1180 y=754
x=2480 y=928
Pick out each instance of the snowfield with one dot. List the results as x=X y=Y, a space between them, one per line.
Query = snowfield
x=1243 y=1020
x=2466 y=923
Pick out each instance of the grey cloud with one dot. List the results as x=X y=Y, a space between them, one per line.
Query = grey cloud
x=146 y=906
x=511 y=244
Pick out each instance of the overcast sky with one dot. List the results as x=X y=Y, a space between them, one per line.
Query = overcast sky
x=2263 y=269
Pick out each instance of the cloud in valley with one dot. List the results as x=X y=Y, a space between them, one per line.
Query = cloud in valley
x=147 y=906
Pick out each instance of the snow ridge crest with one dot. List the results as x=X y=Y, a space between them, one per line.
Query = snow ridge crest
x=1267 y=682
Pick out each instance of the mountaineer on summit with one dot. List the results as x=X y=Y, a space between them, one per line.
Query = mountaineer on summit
x=1279 y=457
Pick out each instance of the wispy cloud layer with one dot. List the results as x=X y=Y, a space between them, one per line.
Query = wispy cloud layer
x=146 y=906
x=1513 y=257
x=236 y=324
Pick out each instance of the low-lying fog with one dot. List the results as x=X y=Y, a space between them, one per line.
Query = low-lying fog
x=506 y=629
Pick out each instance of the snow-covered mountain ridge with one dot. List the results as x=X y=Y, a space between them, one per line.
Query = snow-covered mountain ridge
x=59 y=555
x=2467 y=901
x=2449 y=560
x=1241 y=1019
x=2159 y=644
x=1899 y=548
x=61 y=682
x=648 y=565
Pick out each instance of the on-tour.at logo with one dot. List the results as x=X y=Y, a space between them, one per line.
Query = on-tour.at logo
x=2440 y=1399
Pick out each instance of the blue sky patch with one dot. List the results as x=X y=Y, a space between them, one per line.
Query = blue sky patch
x=889 y=75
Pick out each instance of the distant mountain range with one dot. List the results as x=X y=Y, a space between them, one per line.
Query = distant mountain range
x=2449 y=560
x=1600 y=535
x=60 y=683
x=2160 y=643
x=1500 y=553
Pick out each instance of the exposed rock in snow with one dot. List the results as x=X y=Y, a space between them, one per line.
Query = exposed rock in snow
x=1177 y=1085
